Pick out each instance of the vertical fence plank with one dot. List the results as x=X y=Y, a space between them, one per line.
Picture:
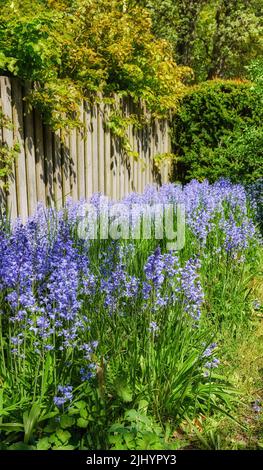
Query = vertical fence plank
x=101 y=149
x=114 y=179
x=129 y=163
x=95 y=163
x=39 y=158
x=132 y=141
x=121 y=174
x=88 y=150
x=155 y=137
x=167 y=150
x=3 y=201
x=140 y=160
x=135 y=159
x=8 y=139
x=151 y=151
x=21 y=181
x=67 y=168
x=74 y=166
x=57 y=168
x=121 y=159
x=148 y=154
x=127 y=158
x=143 y=179
x=107 y=156
x=80 y=156
x=144 y=152
x=30 y=155
x=164 y=150
x=49 y=172
x=160 y=149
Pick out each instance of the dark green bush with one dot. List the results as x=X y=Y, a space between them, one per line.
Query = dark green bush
x=218 y=132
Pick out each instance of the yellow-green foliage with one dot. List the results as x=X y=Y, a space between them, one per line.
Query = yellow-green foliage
x=72 y=49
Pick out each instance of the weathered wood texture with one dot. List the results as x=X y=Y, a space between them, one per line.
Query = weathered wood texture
x=53 y=166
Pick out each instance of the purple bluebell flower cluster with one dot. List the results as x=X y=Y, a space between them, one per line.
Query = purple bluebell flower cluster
x=160 y=271
x=89 y=372
x=192 y=289
x=64 y=395
x=212 y=364
x=52 y=281
x=209 y=350
x=118 y=288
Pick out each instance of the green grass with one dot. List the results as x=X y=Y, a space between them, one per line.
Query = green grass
x=242 y=366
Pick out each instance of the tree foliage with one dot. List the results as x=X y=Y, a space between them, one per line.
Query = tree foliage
x=216 y=38
x=72 y=49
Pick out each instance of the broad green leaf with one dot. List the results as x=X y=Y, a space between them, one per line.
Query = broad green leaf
x=63 y=436
x=67 y=447
x=82 y=423
x=21 y=446
x=43 y=444
x=30 y=419
x=66 y=422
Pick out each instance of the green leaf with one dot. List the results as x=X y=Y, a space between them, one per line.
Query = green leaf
x=12 y=426
x=80 y=404
x=124 y=392
x=83 y=413
x=63 y=436
x=20 y=446
x=51 y=427
x=54 y=440
x=43 y=444
x=66 y=422
x=143 y=405
x=131 y=415
x=82 y=423
x=30 y=419
x=48 y=416
x=68 y=447
x=47 y=377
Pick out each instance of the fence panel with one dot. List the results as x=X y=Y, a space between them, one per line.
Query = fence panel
x=52 y=166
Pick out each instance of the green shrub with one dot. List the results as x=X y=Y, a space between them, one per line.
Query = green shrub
x=218 y=132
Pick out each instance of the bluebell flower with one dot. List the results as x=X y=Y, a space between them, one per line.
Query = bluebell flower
x=153 y=327
x=89 y=372
x=209 y=350
x=64 y=395
x=212 y=364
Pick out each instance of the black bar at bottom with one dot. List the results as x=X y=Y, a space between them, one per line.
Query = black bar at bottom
x=132 y=459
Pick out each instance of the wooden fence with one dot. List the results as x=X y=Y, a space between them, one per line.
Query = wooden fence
x=52 y=166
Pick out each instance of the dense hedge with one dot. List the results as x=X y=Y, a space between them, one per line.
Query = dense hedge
x=218 y=132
